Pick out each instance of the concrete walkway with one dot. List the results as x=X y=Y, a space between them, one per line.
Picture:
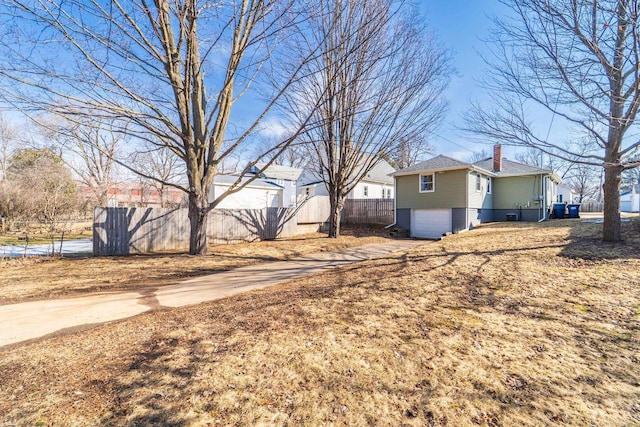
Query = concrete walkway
x=29 y=320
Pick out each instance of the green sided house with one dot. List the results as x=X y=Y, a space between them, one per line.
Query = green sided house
x=444 y=195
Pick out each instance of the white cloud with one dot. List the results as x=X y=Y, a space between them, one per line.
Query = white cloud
x=273 y=128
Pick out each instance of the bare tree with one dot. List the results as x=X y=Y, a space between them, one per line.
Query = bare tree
x=410 y=151
x=533 y=157
x=579 y=60
x=172 y=70
x=583 y=180
x=7 y=143
x=479 y=155
x=562 y=167
x=163 y=164
x=296 y=155
x=90 y=148
x=377 y=80
x=40 y=188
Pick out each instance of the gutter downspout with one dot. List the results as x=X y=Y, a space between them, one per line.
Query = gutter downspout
x=395 y=202
x=543 y=202
x=466 y=203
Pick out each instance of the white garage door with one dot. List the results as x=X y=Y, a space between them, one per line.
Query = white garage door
x=430 y=223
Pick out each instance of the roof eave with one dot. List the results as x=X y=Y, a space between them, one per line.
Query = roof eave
x=375 y=181
x=422 y=171
x=552 y=174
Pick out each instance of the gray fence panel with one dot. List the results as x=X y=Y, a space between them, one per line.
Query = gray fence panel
x=313 y=210
x=367 y=211
x=123 y=231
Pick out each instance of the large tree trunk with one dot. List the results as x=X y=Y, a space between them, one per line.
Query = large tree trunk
x=612 y=178
x=198 y=221
x=336 y=201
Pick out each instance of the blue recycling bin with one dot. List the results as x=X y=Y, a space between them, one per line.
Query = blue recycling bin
x=574 y=211
x=558 y=210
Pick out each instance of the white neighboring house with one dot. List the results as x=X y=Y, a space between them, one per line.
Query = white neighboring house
x=283 y=176
x=565 y=194
x=630 y=199
x=377 y=184
x=258 y=194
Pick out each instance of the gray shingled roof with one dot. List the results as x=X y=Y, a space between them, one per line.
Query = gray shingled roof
x=256 y=183
x=279 y=172
x=509 y=167
x=436 y=163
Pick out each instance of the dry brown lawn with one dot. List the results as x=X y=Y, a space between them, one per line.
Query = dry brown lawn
x=509 y=324
x=39 y=278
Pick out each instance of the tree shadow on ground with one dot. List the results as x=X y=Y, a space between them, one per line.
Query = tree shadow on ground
x=585 y=241
x=449 y=285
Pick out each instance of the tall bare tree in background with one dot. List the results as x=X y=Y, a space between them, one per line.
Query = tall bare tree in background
x=163 y=164
x=377 y=79
x=583 y=179
x=410 y=151
x=479 y=155
x=8 y=135
x=543 y=160
x=172 y=70
x=90 y=148
x=579 y=60
x=296 y=155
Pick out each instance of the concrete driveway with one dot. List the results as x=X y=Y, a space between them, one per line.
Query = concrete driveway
x=29 y=320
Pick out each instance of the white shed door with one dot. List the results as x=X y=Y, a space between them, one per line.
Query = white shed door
x=430 y=223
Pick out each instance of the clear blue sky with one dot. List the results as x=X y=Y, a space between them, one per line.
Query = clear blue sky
x=461 y=25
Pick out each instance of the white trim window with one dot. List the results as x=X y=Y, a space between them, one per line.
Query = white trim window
x=488 y=185
x=365 y=191
x=388 y=193
x=478 y=183
x=428 y=183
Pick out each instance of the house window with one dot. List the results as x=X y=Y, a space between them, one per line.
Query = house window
x=427 y=183
x=478 y=183
x=488 y=185
x=365 y=191
x=306 y=191
x=388 y=193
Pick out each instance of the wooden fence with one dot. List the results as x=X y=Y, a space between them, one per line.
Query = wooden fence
x=313 y=210
x=368 y=211
x=591 y=207
x=122 y=231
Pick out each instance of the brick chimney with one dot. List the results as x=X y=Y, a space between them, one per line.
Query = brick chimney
x=497 y=158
